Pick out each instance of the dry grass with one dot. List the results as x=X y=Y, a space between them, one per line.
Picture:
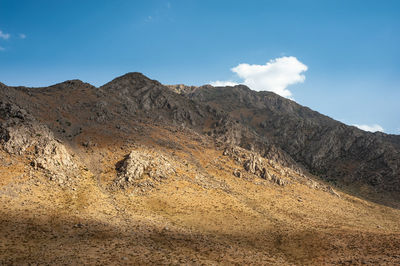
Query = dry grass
x=203 y=215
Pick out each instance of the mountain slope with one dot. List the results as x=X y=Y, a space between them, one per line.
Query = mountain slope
x=134 y=173
x=342 y=154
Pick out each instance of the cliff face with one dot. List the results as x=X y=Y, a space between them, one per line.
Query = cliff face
x=332 y=150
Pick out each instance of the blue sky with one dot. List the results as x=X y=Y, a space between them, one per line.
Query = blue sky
x=351 y=48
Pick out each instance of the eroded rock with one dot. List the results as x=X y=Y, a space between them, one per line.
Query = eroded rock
x=254 y=164
x=21 y=134
x=141 y=164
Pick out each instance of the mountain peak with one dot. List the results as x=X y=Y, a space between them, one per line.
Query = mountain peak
x=130 y=79
x=132 y=76
x=73 y=82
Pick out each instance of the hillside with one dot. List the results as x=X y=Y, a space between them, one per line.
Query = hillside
x=135 y=172
x=343 y=155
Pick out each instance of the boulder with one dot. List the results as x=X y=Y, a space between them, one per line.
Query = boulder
x=139 y=164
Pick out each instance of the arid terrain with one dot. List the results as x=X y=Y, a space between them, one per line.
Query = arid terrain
x=135 y=172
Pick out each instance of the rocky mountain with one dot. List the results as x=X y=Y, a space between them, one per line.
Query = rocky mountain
x=137 y=172
x=77 y=106
x=341 y=154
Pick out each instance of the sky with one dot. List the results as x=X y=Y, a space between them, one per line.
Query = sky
x=340 y=58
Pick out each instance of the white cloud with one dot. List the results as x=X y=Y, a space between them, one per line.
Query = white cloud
x=276 y=75
x=4 y=36
x=22 y=36
x=371 y=128
x=220 y=83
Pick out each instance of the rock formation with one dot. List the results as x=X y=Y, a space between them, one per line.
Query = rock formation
x=21 y=134
x=141 y=163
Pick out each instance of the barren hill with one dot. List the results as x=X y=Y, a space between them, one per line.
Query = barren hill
x=344 y=155
x=135 y=172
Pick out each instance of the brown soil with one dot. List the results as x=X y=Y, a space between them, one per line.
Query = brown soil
x=202 y=215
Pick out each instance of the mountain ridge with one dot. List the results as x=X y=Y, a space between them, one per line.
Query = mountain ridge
x=137 y=172
x=264 y=119
x=297 y=129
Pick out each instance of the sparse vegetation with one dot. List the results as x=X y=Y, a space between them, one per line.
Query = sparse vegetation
x=145 y=184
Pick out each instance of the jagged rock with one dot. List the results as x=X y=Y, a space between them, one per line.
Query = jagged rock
x=134 y=166
x=237 y=173
x=332 y=191
x=53 y=157
x=141 y=163
x=312 y=184
x=265 y=174
x=253 y=163
x=22 y=134
x=182 y=89
x=278 y=180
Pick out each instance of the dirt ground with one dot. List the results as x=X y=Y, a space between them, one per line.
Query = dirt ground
x=197 y=217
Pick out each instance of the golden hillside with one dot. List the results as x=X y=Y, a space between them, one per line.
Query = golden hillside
x=120 y=176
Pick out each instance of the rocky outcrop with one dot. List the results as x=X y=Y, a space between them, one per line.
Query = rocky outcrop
x=21 y=134
x=142 y=164
x=181 y=88
x=53 y=157
x=256 y=165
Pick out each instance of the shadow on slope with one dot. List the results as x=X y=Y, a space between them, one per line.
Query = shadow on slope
x=73 y=240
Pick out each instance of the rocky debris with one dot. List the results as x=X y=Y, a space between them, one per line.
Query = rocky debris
x=254 y=164
x=332 y=191
x=21 y=134
x=228 y=131
x=268 y=169
x=101 y=112
x=181 y=88
x=53 y=157
x=78 y=225
x=88 y=144
x=237 y=173
x=280 y=181
x=140 y=164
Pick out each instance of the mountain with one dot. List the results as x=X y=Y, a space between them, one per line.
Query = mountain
x=343 y=155
x=137 y=172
